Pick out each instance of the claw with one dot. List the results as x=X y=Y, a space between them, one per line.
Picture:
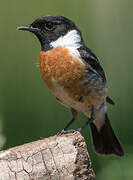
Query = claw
x=65 y=132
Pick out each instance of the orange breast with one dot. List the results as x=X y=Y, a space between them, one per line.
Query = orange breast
x=67 y=78
x=60 y=66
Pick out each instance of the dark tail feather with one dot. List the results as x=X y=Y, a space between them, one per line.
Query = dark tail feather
x=105 y=140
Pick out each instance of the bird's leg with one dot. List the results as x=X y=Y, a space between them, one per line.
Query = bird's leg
x=89 y=121
x=74 y=115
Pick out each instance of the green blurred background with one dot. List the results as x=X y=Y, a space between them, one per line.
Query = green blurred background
x=28 y=111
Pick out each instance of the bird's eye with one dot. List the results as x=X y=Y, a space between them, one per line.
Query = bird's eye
x=49 y=26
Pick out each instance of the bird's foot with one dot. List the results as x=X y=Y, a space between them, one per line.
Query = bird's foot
x=79 y=129
x=65 y=132
x=90 y=120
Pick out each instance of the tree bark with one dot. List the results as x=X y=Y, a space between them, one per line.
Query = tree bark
x=62 y=157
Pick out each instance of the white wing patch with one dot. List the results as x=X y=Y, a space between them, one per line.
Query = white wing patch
x=71 y=41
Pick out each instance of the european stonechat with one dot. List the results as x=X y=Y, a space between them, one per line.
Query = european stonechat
x=75 y=76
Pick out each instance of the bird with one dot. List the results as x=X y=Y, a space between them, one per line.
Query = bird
x=76 y=78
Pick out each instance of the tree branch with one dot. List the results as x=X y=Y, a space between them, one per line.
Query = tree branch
x=62 y=157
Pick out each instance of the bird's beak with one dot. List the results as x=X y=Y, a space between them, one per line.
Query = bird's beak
x=28 y=28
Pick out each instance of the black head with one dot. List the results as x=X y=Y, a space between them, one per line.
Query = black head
x=49 y=28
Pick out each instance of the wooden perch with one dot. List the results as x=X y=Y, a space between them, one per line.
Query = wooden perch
x=62 y=157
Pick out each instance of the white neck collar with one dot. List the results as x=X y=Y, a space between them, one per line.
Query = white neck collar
x=72 y=41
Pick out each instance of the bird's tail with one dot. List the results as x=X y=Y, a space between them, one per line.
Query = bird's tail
x=104 y=138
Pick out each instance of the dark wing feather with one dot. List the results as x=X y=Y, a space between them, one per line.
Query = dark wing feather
x=91 y=59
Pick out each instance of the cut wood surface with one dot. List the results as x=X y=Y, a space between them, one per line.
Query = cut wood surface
x=62 y=157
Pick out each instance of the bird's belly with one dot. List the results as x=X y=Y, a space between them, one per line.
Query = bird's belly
x=78 y=100
x=67 y=78
x=64 y=98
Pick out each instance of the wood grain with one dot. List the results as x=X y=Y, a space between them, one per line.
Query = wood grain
x=62 y=157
